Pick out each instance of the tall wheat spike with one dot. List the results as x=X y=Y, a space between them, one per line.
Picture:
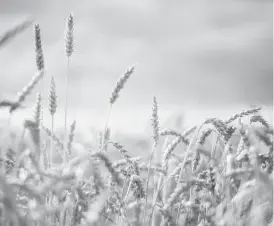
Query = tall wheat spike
x=38 y=48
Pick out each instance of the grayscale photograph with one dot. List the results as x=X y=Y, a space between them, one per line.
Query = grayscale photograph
x=136 y=113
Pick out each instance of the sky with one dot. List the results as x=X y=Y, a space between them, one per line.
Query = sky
x=199 y=58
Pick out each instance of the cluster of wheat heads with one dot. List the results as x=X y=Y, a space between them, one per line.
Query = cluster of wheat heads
x=229 y=183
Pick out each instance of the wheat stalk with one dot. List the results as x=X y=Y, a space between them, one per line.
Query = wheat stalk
x=39 y=60
x=69 y=48
x=37 y=119
x=114 y=96
x=155 y=126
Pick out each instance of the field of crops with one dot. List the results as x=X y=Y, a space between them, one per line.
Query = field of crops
x=218 y=173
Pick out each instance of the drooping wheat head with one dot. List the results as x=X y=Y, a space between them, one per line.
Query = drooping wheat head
x=120 y=85
x=11 y=33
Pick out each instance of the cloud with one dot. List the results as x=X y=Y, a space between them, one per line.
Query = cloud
x=188 y=53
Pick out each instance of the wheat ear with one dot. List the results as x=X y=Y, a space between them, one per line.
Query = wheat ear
x=21 y=96
x=242 y=114
x=11 y=33
x=38 y=48
x=259 y=118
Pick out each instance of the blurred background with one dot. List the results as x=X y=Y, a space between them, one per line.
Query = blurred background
x=199 y=58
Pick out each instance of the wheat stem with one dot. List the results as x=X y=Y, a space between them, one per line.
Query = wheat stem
x=184 y=162
x=66 y=110
x=178 y=213
x=42 y=101
x=106 y=126
x=148 y=176
x=51 y=141
x=128 y=190
x=9 y=123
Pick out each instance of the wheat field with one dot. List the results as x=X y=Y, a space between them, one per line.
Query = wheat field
x=222 y=174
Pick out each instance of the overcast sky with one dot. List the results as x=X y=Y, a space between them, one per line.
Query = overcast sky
x=196 y=57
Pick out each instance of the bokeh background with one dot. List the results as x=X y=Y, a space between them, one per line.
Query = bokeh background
x=199 y=58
